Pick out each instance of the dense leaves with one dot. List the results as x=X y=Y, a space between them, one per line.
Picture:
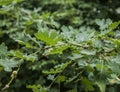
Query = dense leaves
x=59 y=46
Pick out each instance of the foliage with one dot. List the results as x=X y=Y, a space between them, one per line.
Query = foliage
x=59 y=46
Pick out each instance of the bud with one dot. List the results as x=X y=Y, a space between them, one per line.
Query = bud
x=6 y=87
x=14 y=74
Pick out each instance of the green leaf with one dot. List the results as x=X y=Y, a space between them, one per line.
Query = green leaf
x=31 y=57
x=58 y=68
x=57 y=49
x=116 y=41
x=103 y=24
x=115 y=67
x=75 y=56
x=37 y=88
x=61 y=79
x=114 y=25
x=101 y=85
x=52 y=71
x=88 y=52
x=27 y=44
x=50 y=77
x=84 y=36
x=82 y=62
x=6 y=2
x=101 y=67
x=87 y=84
x=1 y=68
x=8 y=64
x=3 y=50
x=18 y=54
x=49 y=37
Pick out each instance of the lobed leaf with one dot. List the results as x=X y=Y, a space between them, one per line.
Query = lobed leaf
x=49 y=37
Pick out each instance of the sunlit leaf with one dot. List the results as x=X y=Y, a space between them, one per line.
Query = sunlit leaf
x=114 y=25
x=49 y=37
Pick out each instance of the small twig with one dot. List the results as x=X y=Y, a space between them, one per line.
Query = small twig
x=57 y=77
x=104 y=57
x=54 y=80
x=117 y=78
x=78 y=45
x=13 y=76
x=68 y=44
